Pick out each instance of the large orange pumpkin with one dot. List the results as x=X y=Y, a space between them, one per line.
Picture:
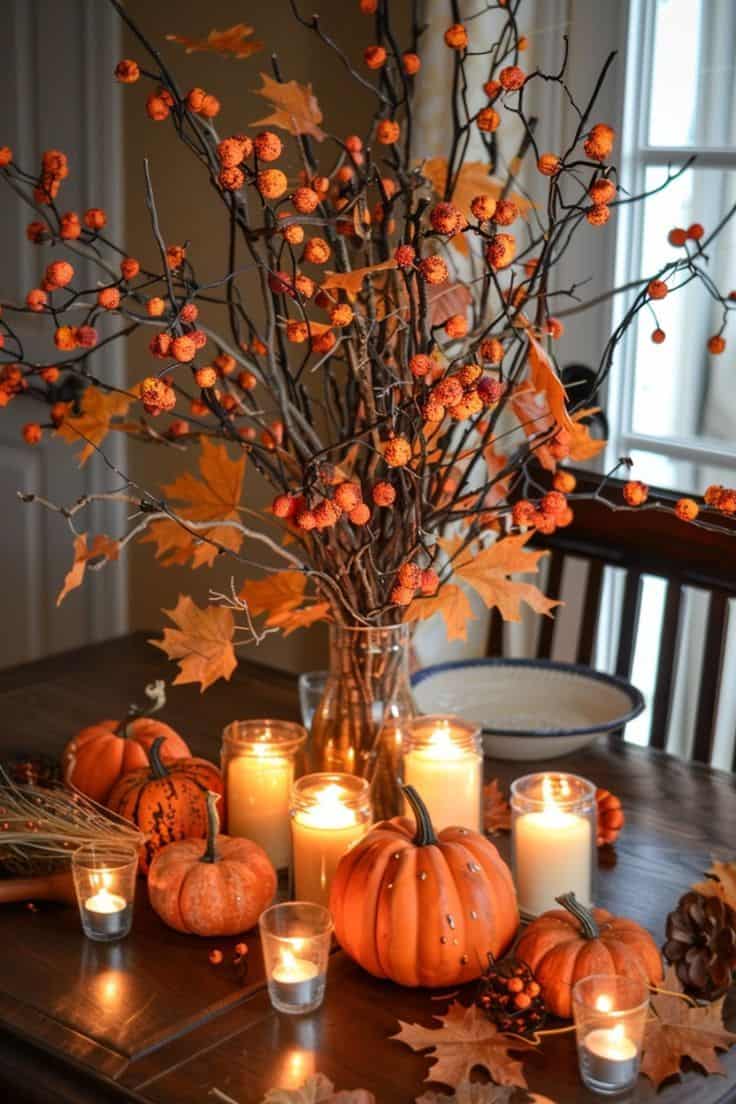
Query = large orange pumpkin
x=217 y=886
x=421 y=908
x=563 y=945
x=167 y=801
x=99 y=755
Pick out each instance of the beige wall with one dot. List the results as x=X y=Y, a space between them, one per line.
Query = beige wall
x=190 y=210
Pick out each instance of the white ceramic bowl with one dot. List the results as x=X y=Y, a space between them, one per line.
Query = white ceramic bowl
x=529 y=708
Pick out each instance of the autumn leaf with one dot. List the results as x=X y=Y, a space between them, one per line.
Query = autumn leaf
x=202 y=642
x=102 y=548
x=215 y=497
x=230 y=43
x=465 y=1039
x=92 y=424
x=680 y=1030
x=454 y=298
x=489 y=571
x=473 y=1092
x=582 y=445
x=295 y=107
x=472 y=180
x=452 y=602
x=531 y=410
x=496 y=809
x=281 y=596
x=544 y=378
x=352 y=282
x=720 y=882
x=318 y=1089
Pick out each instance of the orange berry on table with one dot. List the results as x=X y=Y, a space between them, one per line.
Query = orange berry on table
x=58 y=274
x=512 y=78
x=599 y=142
x=420 y=364
x=341 y=315
x=32 y=433
x=598 y=214
x=548 y=164
x=492 y=350
x=383 y=494
x=183 y=349
x=215 y=957
x=716 y=344
x=522 y=1001
x=387 y=132
x=157 y=108
x=602 y=190
x=433 y=269
x=155 y=306
x=555 y=328
x=360 y=514
x=658 y=336
x=456 y=37
x=305 y=200
x=316 y=251
x=445 y=218
x=404 y=256
x=686 y=509
x=401 y=596
x=109 y=298
x=6 y=156
x=127 y=71
x=564 y=481
x=271 y=183
x=231 y=178
x=506 y=212
x=523 y=512
x=129 y=267
x=36 y=299
x=635 y=493
x=206 y=376
x=657 y=289
x=69 y=226
x=500 y=250
x=225 y=364
x=268 y=146
x=412 y=63
x=677 y=236
x=488 y=120
x=374 y=56
x=483 y=207
x=348 y=495
x=695 y=232
x=397 y=452
x=429 y=581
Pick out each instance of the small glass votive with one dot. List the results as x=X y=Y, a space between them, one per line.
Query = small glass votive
x=329 y=813
x=553 y=833
x=610 y=1016
x=311 y=689
x=104 y=880
x=443 y=761
x=295 y=937
x=259 y=764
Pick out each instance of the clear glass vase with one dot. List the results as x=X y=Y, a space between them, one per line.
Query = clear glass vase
x=360 y=723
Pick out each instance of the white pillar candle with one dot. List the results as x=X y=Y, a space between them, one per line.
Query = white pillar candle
x=329 y=815
x=444 y=764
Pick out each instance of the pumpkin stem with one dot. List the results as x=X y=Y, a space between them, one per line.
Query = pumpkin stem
x=158 y=769
x=156 y=694
x=213 y=828
x=587 y=921
x=425 y=834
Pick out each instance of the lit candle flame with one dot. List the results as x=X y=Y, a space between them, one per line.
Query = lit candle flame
x=604 y=1004
x=442 y=744
x=329 y=809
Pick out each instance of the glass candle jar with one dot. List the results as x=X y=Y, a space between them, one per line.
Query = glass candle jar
x=553 y=834
x=443 y=761
x=259 y=765
x=104 y=880
x=329 y=812
x=295 y=938
x=610 y=1016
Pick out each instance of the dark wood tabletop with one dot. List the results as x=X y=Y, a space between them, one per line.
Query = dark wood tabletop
x=150 y=1019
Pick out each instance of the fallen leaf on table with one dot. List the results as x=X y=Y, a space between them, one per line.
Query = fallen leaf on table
x=496 y=809
x=295 y=107
x=464 y=1040
x=232 y=42
x=202 y=642
x=318 y=1089
x=720 y=882
x=472 y=1092
x=489 y=571
x=680 y=1030
x=102 y=547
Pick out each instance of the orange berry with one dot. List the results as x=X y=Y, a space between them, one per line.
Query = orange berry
x=305 y=200
x=433 y=269
x=686 y=509
x=500 y=250
x=129 y=268
x=456 y=37
x=598 y=214
x=178 y=428
x=506 y=212
x=271 y=183
x=210 y=106
x=523 y=512
x=712 y=494
x=383 y=494
x=445 y=218
x=469 y=374
x=602 y=190
x=429 y=581
x=183 y=349
x=433 y=410
x=230 y=152
x=716 y=344
x=727 y=501
x=404 y=256
x=69 y=226
x=658 y=336
x=231 y=178
x=268 y=146
x=657 y=289
x=36 y=232
x=387 y=132
x=247 y=380
x=348 y=495
x=635 y=493
x=397 y=452
x=554 y=502
x=225 y=364
x=483 y=207
x=109 y=298
x=420 y=364
x=58 y=413
x=456 y=326
x=155 y=306
x=549 y=164
x=448 y=391
x=293 y=233
x=360 y=514
x=374 y=57
x=58 y=274
x=297 y=332
x=160 y=345
x=206 y=376
x=316 y=251
x=283 y=506
x=412 y=63
x=36 y=299
x=327 y=514
x=369 y=7
x=490 y=390
x=157 y=396
x=322 y=343
x=341 y=315
x=6 y=156
x=189 y=312
x=564 y=481
x=86 y=336
x=410 y=576
x=492 y=88
x=127 y=71
x=599 y=142
x=305 y=285
x=32 y=433
x=215 y=957
x=512 y=78
x=401 y=596
x=555 y=328
x=677 y=236
x=492 y=350
x=95 y=218
x=695 y=232
x=175 y=256
x=157 y=108
x=488 y=120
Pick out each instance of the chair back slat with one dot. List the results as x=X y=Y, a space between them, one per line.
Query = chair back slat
x=710 y=676
x=664 y=685
x=552 y=589
x=629 y=623
x=494 y=644
x=591 y=608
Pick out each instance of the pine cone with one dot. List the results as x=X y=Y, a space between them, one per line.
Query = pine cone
x=701 y=944
x=511 y=997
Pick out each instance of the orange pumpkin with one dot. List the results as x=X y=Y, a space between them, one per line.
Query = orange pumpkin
x=421 y=908
x=99 y=755
x=217 y=886
x=166 y=801
x=610 y=817
x=563 y=945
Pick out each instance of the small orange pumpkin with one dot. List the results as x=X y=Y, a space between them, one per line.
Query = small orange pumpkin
x=99 y=755
x=166 y=801
x=421 y=908
x=610 y=817
x=217 y=886
x=563 y=945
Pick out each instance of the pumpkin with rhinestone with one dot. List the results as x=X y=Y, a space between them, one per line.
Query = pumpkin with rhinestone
x=423 y=908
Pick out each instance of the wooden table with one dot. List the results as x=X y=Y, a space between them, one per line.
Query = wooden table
x=149 y=1019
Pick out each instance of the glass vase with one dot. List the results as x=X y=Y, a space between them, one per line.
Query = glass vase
x=360 y=723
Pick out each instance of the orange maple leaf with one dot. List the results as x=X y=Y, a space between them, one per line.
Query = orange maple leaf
x=102 y=548
x=489 y=571
x=452 y=602
x=215 y=497
x=544 y=378
x=296 y=107
x=472 y=180
x=352 y=282
x=582 y=445
x=291 y=620
x=230 y=43
x=532 y=411
x=92 y=424
x=202 y=642
x=281 y=596
x=454 y=298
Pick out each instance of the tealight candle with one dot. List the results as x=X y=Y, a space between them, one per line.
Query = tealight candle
x=295 y=938
x=610 y=1018
x=329 y=812
x=258 y=765
x=553 y=839
x=443 y=761
x=104 y=880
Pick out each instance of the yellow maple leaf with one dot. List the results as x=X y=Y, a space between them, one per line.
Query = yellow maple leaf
x=295 y=107
x=232 y=42
x=452 y=602
x=92 y=424
x=202 y=642
x=489 y=571
x=472 y=180
x=102 y=547
x=352 y=282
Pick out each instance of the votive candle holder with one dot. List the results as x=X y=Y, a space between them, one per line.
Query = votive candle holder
x=104 y=880
x=295 y=939
x=610 y=1016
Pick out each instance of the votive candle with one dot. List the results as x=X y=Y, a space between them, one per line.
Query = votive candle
x=610 y=1014
x=104 y=881
x=329 y=813
x=295 y=939
x=443 y=761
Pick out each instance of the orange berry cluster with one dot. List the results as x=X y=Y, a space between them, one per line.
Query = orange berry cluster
x=552 y=512
x=411 y=578
x=721 y=498
x=511 y=997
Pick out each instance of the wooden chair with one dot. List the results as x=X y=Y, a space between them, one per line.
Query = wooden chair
x=644 y=542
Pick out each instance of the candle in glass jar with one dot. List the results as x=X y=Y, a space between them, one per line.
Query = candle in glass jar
x=610 y=1014
x=553 y=840
x=443 y=761
x=330 y=812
